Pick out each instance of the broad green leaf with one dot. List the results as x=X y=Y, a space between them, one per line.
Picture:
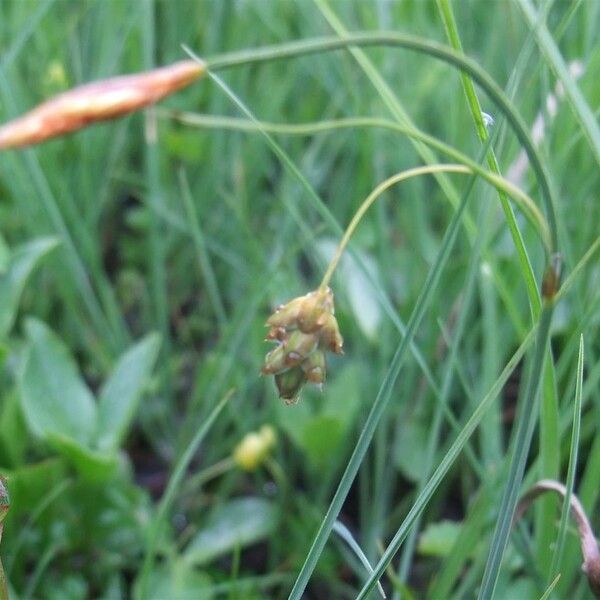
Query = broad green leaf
x=13 y=435
x=94 y=466
x=30 y=484
x=236 y=524
x=179 y=581
x=13 y=277
x=54 y=399
x=120 y=395
x=438 y=538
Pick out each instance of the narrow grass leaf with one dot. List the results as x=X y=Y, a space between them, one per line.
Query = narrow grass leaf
x=572 y=468
x=447 y=14
x=442 y=470
x=346 y=535
x=524 y=433
x=19 y=266
x=550 y=588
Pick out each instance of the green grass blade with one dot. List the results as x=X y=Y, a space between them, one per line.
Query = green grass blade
x=417 y=44
x=379 y=405
x=157 y=253
x=523 y=435
x=446 y=463
x=447 y=380
x=447 y=14
x=346 y=535
x=550 y=588
x=204 y=264
x=572 y=468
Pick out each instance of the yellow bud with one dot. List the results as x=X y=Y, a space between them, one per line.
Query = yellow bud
x=250 y=452
x=254 y=448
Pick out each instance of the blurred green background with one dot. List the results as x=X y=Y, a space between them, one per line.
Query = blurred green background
x=140 y=258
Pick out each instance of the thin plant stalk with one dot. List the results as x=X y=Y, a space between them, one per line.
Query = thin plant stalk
x=549 y=409
x=446 y=463
x=379 y=406
x=562 y=531
x=445 y=8
x=521 y=198
x=371 y=198
x=169 y=495
x=418 y=44
x=523 y=435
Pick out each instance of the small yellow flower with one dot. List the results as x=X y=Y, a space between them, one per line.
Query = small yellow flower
x=254 y=448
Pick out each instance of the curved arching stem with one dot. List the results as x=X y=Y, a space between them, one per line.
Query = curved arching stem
x=379 y=190
x=439 y=51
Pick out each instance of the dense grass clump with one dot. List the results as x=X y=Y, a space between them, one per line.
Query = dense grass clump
x=458 y=147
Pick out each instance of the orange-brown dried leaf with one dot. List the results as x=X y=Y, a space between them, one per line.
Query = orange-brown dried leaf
x=97 y=101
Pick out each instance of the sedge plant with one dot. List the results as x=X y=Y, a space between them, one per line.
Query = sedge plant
x=306 y=328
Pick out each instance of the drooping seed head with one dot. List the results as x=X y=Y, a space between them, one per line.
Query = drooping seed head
x=304 y=328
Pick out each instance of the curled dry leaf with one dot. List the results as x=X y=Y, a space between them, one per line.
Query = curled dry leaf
x=589 y=546
x=97 y=101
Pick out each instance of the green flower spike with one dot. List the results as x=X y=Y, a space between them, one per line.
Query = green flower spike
x=304 y=329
